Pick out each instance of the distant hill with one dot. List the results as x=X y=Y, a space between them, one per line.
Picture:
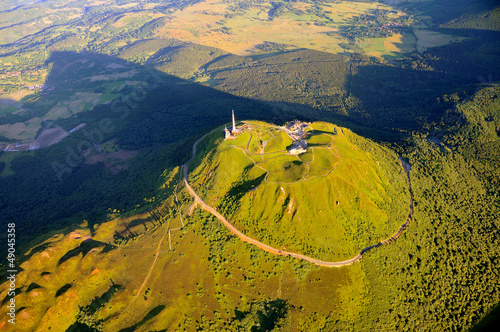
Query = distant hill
x=487 y=20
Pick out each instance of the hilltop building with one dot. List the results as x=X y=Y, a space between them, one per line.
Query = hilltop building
x=228 y=134
x=298 y=147
x=231 y=134
x=296 y=131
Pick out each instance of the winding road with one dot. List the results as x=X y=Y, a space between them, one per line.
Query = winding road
x=275 y=251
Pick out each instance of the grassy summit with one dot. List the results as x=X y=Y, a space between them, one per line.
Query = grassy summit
x=343 y=194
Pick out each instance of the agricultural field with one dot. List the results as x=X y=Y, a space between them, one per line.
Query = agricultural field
x=291 y=25
x=227 y=27
x=78 y=102
x=51 y=136
x=22 y=131
x=427 y=39
x=7 y=109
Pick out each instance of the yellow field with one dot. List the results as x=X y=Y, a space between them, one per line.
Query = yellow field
x=134 y=17
x=61 y=111
x=105 y=77
x=202 y=23
x=245 y=31
x=23 y=131
x=16 y=96
x=400 y=43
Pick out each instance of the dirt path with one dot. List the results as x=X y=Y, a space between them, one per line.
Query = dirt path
x=149 y=272
x=275 y=251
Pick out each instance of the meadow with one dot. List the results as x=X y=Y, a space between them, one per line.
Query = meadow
x=300 y=25
x=21 y=131
x=274 y=199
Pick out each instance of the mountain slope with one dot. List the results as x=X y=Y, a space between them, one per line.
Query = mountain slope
x=345 y=193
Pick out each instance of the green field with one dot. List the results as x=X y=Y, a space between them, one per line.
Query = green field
x=7 y=158
x=22 y=131
x=324 y=161
x=5 y=109
x=109 y=147
x=284 y=169
x=277 y=143
x=319 y=139
x=285 y=191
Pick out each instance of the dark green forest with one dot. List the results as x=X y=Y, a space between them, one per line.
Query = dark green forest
x=450 y=250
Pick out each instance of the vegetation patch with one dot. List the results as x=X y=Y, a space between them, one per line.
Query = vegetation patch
x=22 y=131
x=84 y=248
x=281 y=201
x=63 y=289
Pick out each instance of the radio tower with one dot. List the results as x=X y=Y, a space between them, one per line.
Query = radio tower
x=234 y=125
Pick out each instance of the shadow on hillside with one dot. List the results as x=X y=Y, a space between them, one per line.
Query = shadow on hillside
x=110 y=106
x=454 y=9
x=417 y=92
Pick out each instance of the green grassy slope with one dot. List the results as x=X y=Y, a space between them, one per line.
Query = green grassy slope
x=349 y=195
x=109 y=282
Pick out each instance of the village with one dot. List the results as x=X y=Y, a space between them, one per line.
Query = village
x=376 y=23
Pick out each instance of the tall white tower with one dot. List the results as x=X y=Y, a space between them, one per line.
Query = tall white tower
x=234 y=125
